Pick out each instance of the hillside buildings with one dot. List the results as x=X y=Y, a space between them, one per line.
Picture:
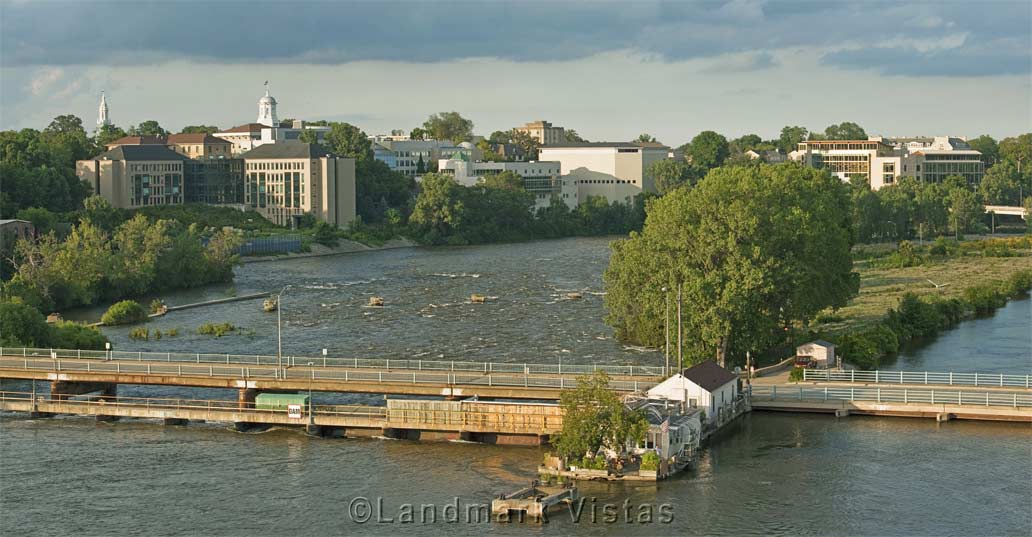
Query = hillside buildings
x=883 y=161
x=416 y=157
x=616 y=171
x=286 y=180
x=543 y=132
x=539 y=177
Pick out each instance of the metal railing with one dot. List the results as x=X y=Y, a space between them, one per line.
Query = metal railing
x=525 y=368
x=891 y=395
x=919 y=377
x=313 y=374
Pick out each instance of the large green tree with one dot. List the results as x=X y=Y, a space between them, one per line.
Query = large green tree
x=708 y=149
x=754 y=249
x=199 y=129
x=594 y=417
x=449 y=126
x=669 y=174
x=790 y=138
x=1018 y=149
x=148 y=128
x=846 y=130
x=347 y=140
x=1002 y=184
x=989 y=148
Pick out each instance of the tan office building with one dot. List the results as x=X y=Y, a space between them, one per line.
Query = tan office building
x=286 y=180
x=544 y=132
x=201 y=145
x=132 y=176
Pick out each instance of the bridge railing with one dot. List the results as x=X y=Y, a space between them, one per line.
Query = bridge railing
x=527 y=368
x=313 y=374
x=892 y=395
x=918 y=377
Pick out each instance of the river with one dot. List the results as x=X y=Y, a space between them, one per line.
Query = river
x=770 y=473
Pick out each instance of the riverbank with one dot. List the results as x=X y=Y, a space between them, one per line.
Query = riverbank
x=343 y=247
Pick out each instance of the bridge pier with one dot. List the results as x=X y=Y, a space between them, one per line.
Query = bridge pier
x=942 y=417
x=175 y=421
x=841 y=412
x=245 y=398
x=312 y=429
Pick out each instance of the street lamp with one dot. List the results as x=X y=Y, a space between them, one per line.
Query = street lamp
x=107 y=349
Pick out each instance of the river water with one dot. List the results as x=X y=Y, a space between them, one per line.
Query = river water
x=768 y=474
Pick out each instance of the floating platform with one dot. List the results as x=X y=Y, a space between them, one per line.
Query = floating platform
x=532 y=503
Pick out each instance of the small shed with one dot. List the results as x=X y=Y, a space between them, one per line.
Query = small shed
x=821 y=353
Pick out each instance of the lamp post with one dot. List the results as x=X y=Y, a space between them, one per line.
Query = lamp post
x=107 y=350
x=680 y=355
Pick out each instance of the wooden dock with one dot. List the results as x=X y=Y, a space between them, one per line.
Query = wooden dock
x=532 y=503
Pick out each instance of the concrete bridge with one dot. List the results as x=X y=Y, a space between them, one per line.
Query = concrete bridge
x=1007 y=209
x=503 y=423
x=77 y=372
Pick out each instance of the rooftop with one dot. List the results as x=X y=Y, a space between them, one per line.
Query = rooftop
x=196 y=138
x=140 y=152
x=574 y=145
x=247 y=127
x=137 y=140
x=286 y=150
x=708 y=375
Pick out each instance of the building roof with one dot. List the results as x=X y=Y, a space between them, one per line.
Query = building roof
x=708 y=375
x=196 y=138
x=287 y=150
x=248 y=127
x=820 y=342
x=140 y=152
x=6 y=221
x=575 y=145
x=137 y=140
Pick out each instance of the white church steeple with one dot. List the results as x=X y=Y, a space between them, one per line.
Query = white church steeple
x=267 y=109
x=102 y=112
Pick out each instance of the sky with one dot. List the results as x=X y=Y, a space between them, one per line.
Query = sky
x=609 y=70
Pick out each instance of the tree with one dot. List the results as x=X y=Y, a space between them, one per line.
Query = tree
x=526 y=142
x=439 y=209
x=199 y=129
x=988 y=147
x=43 y=220
x=1017 y=149
x=107 y=134
x=571 y=136
x=965 y=210
x=379 y=189
x=708 y=150
x=790 y=138
x=645 y=138
x=845 y=131
x=98 y=210
x=507 y=180
x=308 y=136
x=754 y=249
x=669 y=174
x=137 y=244
x=348 y=140
x=147 y=128
x=745 y=143
x=500 y=137
x=594 y=418
x=21 y=325
x=449 y=126
x=418 y=134
x=1001 y=185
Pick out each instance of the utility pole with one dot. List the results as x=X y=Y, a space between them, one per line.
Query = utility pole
x=680 y=355
x=666 y=329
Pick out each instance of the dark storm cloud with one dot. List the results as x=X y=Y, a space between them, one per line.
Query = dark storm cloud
x=49 y=33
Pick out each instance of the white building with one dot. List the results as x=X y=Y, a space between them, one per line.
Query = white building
x=883 y=161
x=706 y=385
x=820 y=352
x=267 y=109
x=415 y=157
x=616 y=171
x=539 y=178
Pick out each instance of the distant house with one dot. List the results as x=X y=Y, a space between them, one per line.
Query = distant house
x=706 y=385
x=18 y=229
x=771 y=156
x=821 y=353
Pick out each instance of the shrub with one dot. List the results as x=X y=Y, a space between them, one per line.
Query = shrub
x=173 y=332
x=860 y=351
x=796 y=374
x=72 y=335
x=139 y=333
x=217 y=330
x=324 y=234
x=156 y=306
x=985 y=298
x=1019 y=284
x=21 y=324
x=157 y=333
x=824 y=318
x=597 y=462
x=650 y=460
x=124 y=312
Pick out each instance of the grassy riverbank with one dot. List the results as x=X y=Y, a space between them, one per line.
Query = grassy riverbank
x=899 y=302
